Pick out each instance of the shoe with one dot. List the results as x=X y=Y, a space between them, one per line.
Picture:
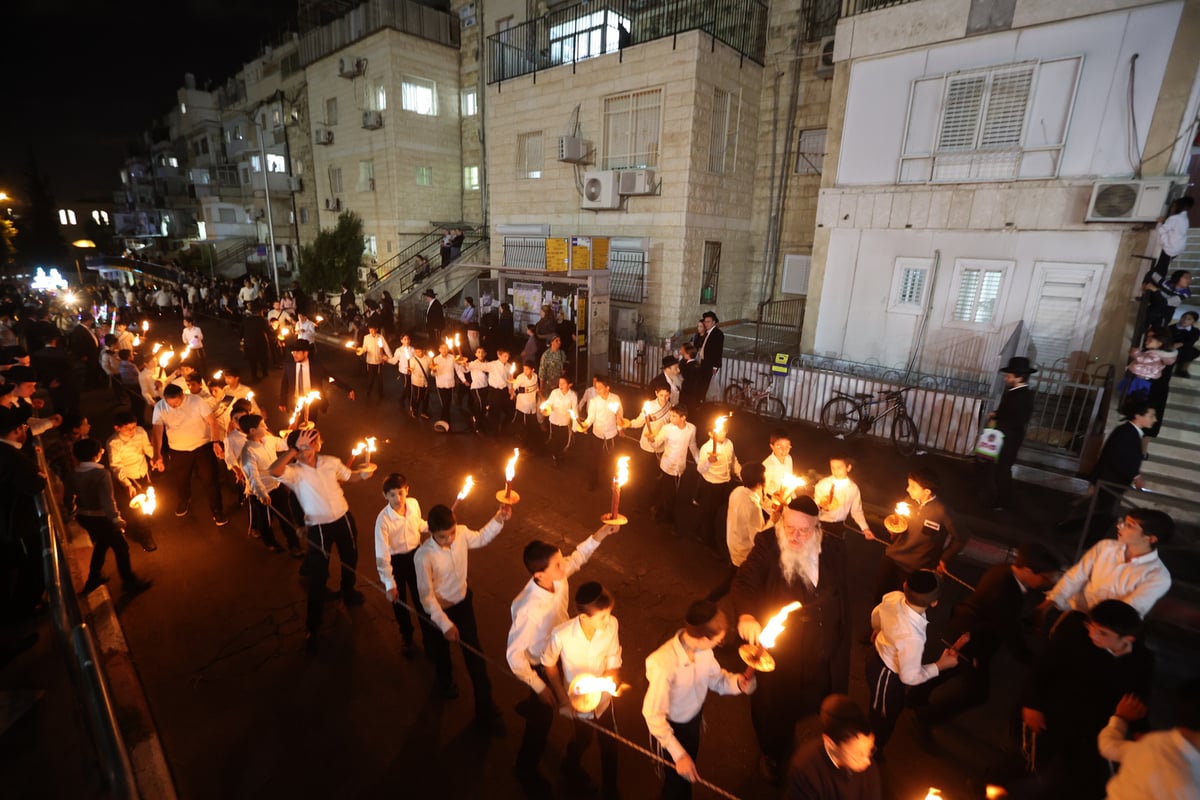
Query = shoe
x=352 y=597
x=410 y=650
x=219 y=520
x=134 y=586
x=93 y=584
x=182 y=511
x=150 y=545
x=295 y=551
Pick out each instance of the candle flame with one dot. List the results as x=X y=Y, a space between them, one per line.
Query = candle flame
x=622 y=476
x=349 y=345
x=145 y=326
x=574 y=416
x=284 y=332
x=588 y=684
x=358 y=449
x=468 y=485
x=370 y=444
x=145 y=501
x=187 y=351
x=792 y=482
x=157 y=347
x=165 y=358
x=647 y=407
x=933 y=794
x=545 y=407
x=996 y=792
x=902 y=509
x=431 y=354
x=249 y=395
x=510 y=469
x=320 y=319
x=512 y=369
x=775 y=625
x=613 y=406
x=217 y=375
x=719 y=425
x=137 y=341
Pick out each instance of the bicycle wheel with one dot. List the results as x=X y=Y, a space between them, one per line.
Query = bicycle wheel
x=735 y=395
x=769 y=407
x=841 y=416
x=904 y=435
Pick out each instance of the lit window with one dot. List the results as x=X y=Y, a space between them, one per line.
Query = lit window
x=419 y=96
x=424 y=176
x=255 y=164
x=378 y=100
x=529 y=155
x=712 y=271
x=471 y=179
x=632 y=129
x=276 y=163
x=183 y=108
x=586 y=36
x=470 y=103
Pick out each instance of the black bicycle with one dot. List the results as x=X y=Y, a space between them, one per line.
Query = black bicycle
x=851 y=415
x=744 y=394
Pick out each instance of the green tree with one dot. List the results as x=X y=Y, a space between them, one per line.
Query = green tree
x=39 y=240
x=334 y=256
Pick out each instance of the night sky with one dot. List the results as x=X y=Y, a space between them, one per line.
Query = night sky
x=82 y=79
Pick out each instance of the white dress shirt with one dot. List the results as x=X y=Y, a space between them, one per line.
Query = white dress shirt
x=1103 y=574
x=900 y=639
x=303 y=382
x=1172 y=233
x=478 y=372
x=536 y=612
x=442 y=571
x=395 y=534
x=256 y=461
x=148 y=386
x=726 y=465
x=526 y=389
x=743 y=521
x=678 y=686
x=319 y=488
x=187 y=426
x=420 y=367
x=1159 y=765
x=848 y=497
x=235 y=442
x=376 y=349
x=676 y=443
x=499 y=374
x=444 y=371
x=604 y=421
x=402 y=358
x=193 y=337
x=583 y=656
x=306 y=330
x=561 y=406
x=651 y=420
x=127 y=458
x=776 y=471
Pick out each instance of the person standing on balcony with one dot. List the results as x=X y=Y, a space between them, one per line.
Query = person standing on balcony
x=1011 y=418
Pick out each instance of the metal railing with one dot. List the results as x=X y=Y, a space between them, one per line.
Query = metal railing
x=76 y=636
x=778 y=327
x=587 y=30
x=405 y=262
x=1068 y=414
x=947 y=420
x=852 y=8
x=321 y=38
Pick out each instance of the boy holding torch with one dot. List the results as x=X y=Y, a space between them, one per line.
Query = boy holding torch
x=930 y=541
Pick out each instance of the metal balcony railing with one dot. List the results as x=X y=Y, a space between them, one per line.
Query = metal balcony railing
x=578 y=32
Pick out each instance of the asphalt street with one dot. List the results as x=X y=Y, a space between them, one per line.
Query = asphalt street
x=243 y=711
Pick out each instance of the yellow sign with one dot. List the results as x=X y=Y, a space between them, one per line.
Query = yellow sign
x=599 y=252
x=581 y=253
x=557 y=255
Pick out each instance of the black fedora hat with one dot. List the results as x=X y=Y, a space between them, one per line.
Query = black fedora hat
x=1019 y=365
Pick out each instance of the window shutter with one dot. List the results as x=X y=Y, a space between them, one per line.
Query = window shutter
x=1006 y=105
x=968 y=288
x=912 y=286
x=960 y=117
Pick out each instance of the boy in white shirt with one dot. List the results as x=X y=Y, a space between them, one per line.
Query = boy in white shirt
x=129 y=454
x=778 y=467
x=268 y=496
x=402 y=358
x=500 y=406
x=680 y=674
x=557 y=408
x=838 y=497
x=477 y=372
x=677 y=439
x=653 y=416
x=447 y=369
x=524 y=391
x=718 y=465
x=743 y=522
x=420 y=367
x=605 y=419
x=376 y=352
x=397 y=536
x=589 y=644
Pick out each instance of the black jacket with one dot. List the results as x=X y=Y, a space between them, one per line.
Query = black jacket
x=993 y=614
x=714 y=349
x=20 y=481
x=1013 y=414
x=319 y=380
x=1121 y=459
x=435 y=318
x=256 y=334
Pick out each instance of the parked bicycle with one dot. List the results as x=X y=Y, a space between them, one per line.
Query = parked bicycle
x=742 y=393
x=851 y=415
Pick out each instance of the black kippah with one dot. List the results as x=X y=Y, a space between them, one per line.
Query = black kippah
x=923 y=581
x=588 y=593
x=805 y=505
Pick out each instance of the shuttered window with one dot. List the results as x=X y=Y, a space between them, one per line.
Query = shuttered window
x=912 y=286
x=810 y=155
x=722 y=152
x=529 y=155
x=978 y=294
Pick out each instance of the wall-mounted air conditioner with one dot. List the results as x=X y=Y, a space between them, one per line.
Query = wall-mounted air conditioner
x=636 y=181
x=372 y=120
x=323 y=136
x=600 y=190
x=1129 y=200
x=825 y=59
x=351 y=67
x=574 y=150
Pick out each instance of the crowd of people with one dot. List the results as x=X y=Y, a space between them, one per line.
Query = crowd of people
x=785 y=594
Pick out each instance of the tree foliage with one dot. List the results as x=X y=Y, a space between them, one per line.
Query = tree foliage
x=334 y=256
x=39 y=239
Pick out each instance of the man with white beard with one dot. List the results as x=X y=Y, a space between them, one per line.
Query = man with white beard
x=812 y=655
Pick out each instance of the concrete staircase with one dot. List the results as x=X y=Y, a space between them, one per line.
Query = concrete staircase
x=1174 y=463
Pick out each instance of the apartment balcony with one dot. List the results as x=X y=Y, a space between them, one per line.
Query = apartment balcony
x=588 y=30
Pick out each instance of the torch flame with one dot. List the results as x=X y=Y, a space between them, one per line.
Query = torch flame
x=370 y=444
x=320 y=319
x=187 y=351
x=157 y=347
x=468 y=485
x=775 y=625
x=165 y=358
x=622 y=477
x=510 y=469
x=284 y=332
x=249 y=395
x=545 y=407
x=792 y=482
x=587 y=684
x=145 y=326
x=719 y=425
x=902 y=509
x=613 y=406
x=934 y=794
x=349 y=345
x=358 y=449
x=145 y=501
x=137 y=341
x=217 y=375
x=996 y=792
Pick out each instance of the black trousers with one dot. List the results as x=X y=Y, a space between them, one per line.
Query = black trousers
x=420 y=400
x=478 y=400
x=887 y=698
x=500 y=410
x=581 y=740
x=405 y=390
x=688 y=735
x=601 y=457
x=559 y=441
x=137 y=524
x=530 y=432
x=995 y=477
x=713 y=498
x=784 y=697
x=374 y=380
x=106 y=536
x=539 y=717
x=646 y=473
x=322 y=539
x=445 y=401
x=281 y=510
x=257 y=359
x=462 y=614
x=667 y=495
x=951 y=693
x=203 y=462
x=405 y=574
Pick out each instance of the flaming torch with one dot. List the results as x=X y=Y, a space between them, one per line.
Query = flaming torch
x=468 y=485
x=508 y=497
x=614 y=516
x=145 y=501
x=586 y=692
x=897 y=522
x=757 y=656
x=719 y=427
x=933 y=794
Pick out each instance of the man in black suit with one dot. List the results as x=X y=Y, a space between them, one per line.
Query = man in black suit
x=1011 y=418
x=20 y=550
x=257 y=340
x=85 y=347
x=793 y=563
x=1118 y=467
x=303 y=376
x=435 y=319
x=691 y=394
x=39 y=329
x=711 y=349
x=54 y=371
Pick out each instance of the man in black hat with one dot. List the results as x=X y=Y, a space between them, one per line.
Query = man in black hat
x=670 y=373
x=1011 y=418
x=435 y=319
x=303 y=376
x=20 y=552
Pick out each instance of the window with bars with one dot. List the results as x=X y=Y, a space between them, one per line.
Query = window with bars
x=722 y=148
x=632 y=129
x=377 y=97
x=993 y=124
x=419 y=96
x=910 y=282
x=529 y=155
x=711 y=273
x=810 y=153
x=627 y=275
x=977 y=295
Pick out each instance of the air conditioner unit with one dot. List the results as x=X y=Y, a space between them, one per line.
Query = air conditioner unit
x=372 y=120
x=1129 y=200
x=574 y=150
x=825 y=60
x=351 y=67
x=600 y=190
x=324 y=136
x=636 y=181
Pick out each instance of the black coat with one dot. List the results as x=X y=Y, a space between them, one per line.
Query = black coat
x=83 y=344
x=695 y=384
x=1013 y=414
x=714 y=349
x=319 y=380
x=1121 y=458
x=435 y=318
x=20 y=481
x=256 y=334
x=993 y=614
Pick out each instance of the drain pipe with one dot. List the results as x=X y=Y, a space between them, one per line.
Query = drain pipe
x=937 y=261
